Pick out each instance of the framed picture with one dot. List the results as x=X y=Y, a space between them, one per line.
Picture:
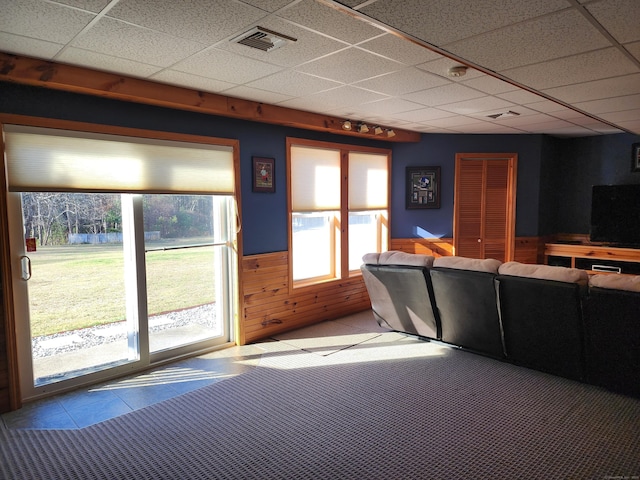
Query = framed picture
x=264 y=170
x=423 y=187
x=635 y=157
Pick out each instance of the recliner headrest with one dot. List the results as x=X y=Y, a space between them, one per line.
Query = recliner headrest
x=544 y=272
x=629 y=283
x=394 y=257
x=489 y=265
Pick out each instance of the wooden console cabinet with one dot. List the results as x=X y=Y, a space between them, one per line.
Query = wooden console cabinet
x=586 y=256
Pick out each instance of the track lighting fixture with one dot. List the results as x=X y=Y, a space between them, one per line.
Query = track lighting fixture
x=363 y=128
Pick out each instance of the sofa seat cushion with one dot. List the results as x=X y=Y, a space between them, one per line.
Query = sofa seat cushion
x=544 y=272
x=629 y=283
x=394 y=257
x=488 y=265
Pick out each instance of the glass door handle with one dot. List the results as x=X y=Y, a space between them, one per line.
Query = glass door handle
x=25 y=263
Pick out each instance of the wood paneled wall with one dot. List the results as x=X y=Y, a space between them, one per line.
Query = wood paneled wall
x=527 y=249
x=270 y=306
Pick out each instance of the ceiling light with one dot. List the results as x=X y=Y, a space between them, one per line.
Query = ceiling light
x=362 y=128
x=377 y=130
x=346 y=125
x=391 y=133
x=457 y=71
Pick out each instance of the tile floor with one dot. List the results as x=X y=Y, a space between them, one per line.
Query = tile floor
x=97 y=403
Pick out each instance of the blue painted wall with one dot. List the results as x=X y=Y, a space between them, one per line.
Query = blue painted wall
x=553 y=184
x=440 y=149
x=582 y=163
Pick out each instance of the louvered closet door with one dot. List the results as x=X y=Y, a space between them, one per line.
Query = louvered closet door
x=484 y=223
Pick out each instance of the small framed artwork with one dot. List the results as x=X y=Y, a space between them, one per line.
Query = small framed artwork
x=264 y=170
x=423 y=187
x=635 y=157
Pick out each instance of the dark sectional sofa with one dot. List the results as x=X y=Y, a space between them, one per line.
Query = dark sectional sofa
x=553 y=319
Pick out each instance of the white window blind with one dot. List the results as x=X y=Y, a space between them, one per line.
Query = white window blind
x=368 y=181
x=44 y=159
x=315 y=179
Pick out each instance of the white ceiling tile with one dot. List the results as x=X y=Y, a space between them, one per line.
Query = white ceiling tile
x=532 y=120
x=595 y=65
x=581 y=92
x=116 y=38
x=488 y=128
x=477 y=105
x=547 y=106
x=388 y=106
x=619 y=17
x=622 y=116
x=573 y=131
x=631 y=125
x=607 y=105
x=308 y=45
x=89 y=5
x=42 y=20
x=322 y=18
x=338 y=97
x=396 y=48
x=489 y=84
x=520 y=96
x=565 y=33
x=422 y=115
x=257 y=95
x=350 y=66
x=226 y=67
x=634 y=49
x=269 y=5
x=293 y=83
x=99 y=61
x=444 y=94
x=571 y=115
x=443 y=21
x=605 y=129
x=456 y=121
x=28 y=46
x=205 y=21
x=191 y=81
x=401 y=82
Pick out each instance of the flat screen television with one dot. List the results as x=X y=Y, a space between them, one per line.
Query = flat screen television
x=615 y=215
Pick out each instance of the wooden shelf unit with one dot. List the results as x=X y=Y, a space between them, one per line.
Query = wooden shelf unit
x=592 y=252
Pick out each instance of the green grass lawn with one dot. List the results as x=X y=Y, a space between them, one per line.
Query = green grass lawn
x=76 y=286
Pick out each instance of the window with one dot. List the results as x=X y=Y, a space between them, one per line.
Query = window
x=135 y=261
x=338 y=201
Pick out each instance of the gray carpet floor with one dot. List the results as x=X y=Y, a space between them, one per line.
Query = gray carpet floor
x=386 y=407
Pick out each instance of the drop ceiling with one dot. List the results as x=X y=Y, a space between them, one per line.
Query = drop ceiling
x=567 y=68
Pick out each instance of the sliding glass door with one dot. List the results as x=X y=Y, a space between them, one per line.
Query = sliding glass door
x=109 y=282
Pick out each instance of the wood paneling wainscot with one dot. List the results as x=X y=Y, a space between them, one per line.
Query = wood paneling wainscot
x=270 y=306
x=527 y=249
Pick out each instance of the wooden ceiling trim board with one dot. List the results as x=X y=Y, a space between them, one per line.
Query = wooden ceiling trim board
x=42 y=73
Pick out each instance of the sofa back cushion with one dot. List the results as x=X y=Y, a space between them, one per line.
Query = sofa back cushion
x=394 y=257
x=488 y=265
x=544 y=272
x=629 y=283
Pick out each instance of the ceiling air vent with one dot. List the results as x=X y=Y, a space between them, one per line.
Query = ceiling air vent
x=263 y=39
x=510 y=113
